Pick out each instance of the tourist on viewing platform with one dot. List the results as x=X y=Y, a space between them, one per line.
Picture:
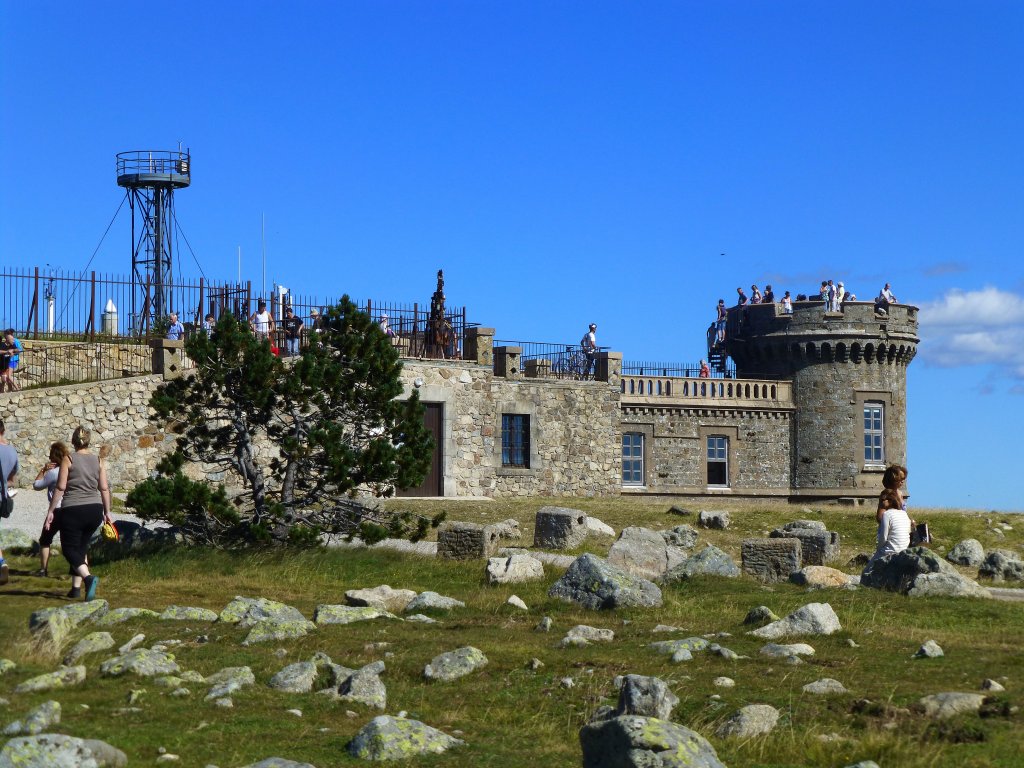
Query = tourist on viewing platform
x=741 y=300
x=885 y=298
x=823 y=293
x=755 y=295
x=47 y=479
x=787 y=304
x=261 y=321
x=720 y=320
x=8 y=469
x=10 y=356
x=83 y=494
x=386 y=327
x=589 y=345
x=831 y=305
x=848 y=298
x=705 y=372
x=209 y=324
x=769 y=295
x=292 y=333
x=175 y=331
x=840 y=296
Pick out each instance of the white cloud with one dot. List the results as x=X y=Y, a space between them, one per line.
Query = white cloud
x=975 y=328
x=989 y=307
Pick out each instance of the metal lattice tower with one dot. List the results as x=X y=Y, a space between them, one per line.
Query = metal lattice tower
x=150 y=177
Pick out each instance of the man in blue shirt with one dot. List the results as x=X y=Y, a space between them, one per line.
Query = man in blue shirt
x=177 y=331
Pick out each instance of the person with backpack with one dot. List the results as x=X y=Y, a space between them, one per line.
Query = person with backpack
x=8 y=469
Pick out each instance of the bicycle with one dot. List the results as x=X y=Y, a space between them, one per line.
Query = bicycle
x=572 y=364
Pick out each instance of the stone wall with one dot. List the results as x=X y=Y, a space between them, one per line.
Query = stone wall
x=116 y=411
x=53 y=362
x=574 y=425
x=675 y=440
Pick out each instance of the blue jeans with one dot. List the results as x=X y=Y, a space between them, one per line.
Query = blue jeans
x=291 y=347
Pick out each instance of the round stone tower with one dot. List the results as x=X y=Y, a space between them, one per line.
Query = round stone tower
x=849 y=374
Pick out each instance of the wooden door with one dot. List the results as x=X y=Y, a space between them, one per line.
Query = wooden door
x=433 y=483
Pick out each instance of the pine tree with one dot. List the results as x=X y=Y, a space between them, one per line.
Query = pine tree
x=305 y=440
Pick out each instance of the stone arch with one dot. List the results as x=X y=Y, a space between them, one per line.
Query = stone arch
x=623 y=386
x=826 y=352
x=703 y=389
x=841 y=352
x=668 y=389
x=869 y=352
x=632 y=387
x=775 y=393
x=855 y=352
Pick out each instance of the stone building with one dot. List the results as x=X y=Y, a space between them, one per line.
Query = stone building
x=816 y=411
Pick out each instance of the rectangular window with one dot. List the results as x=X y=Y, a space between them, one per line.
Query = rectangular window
x=718 y=460
x=874 y=433
x=515 y=440
x=632 y=458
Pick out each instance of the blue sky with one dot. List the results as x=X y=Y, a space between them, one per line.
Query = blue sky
x=565 y=162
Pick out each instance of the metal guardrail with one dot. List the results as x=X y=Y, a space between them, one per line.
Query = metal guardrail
x=567 y=361
x=684 y=370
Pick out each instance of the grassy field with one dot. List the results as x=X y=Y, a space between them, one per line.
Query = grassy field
x=513 y=717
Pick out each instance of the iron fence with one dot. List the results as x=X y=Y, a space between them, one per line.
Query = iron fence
x=50 y=363
x=553 y=360
x=58 y=305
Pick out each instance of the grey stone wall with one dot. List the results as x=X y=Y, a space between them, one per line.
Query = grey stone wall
x=575 y=440
x=837 y=362
x=675 y=447
x=116 y=411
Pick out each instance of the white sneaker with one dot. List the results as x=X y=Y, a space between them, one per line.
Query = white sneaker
x=12 y=492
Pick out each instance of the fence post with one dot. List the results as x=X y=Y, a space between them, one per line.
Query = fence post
x=92 y=306
x=248 y=299
x=34 y=310
x=202 y=298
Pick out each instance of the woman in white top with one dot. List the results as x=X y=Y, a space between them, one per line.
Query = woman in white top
x=47 y=478
x=893 y=527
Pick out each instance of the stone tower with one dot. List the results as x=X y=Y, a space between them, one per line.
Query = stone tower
x=849 y=374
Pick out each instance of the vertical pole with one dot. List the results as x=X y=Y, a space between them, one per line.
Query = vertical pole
x=35 y=304
x=158 y=235
x=248 y=299
x=202 y=300
x=92 y=307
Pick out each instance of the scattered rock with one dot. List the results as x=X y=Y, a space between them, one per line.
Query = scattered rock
x=534 y=664
x=775 y=651
x=432 y=601
x=968 y=552
x=507 y=529
x=822 y=577
x=94 y=641
x=632 y=740
x=121 y=615
x=6 y=665
x=943 y=705
x=187 y=613
x=640 y=552
x=681 y=511
x=680 y=650
x=40 y=719
x=715 y=520
x=989 y=684
x=645 y=696
x=455 y=664
x=559 y=528
x=364 y=686
x=593 y=583
x=666 y=628
x=811 y=619
x=724 y=682
x=946 y=585
x=250 y=611
x=582 y=635
x=50 y=627
x=682 y=536
x=17 y=541
x=514 y=569
x=930 y=650
x=393 y=738
x=817 y=544
x=751 y=720
x=544 y=625
x=710 y=561
x=760 y=615
x=383 y=597
x=825 y=687
x=421 y=619
x=596 y=528
x=133 y=643
x=227 y=681
x=295 y=678
x=567 y=682
x=284 y=629
x=1002 y=565
x=900 y=571
x=517 y=602
x=140 y=661
x=347 y=614
x=64 y=677
x=54 y=750
x=276 y=762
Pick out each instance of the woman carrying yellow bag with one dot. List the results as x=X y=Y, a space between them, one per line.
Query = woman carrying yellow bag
x=84 y=496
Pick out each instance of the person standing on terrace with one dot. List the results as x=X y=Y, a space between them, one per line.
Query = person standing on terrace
x=769 y=295
x=175 y=331
x=755 y=295
x=293 y=327
x=720 y=321
x=10 y=356
x=705 y=372
x=787 y=304
x=261 y=321
x=589 y=345
x=741 y=298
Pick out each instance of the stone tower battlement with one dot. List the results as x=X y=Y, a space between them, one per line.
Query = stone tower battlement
x=849 y=377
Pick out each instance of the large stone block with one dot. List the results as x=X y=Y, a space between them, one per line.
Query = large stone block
x=818 y=546
x=771 y=560
x=559 y=528
x=466 y=541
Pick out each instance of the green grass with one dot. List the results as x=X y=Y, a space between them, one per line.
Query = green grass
x=510 y=716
